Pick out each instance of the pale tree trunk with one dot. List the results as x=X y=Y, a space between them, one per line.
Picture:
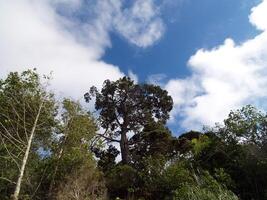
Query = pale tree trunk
x=26 y=155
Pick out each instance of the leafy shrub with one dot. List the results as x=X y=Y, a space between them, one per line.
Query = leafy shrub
x=207 y=188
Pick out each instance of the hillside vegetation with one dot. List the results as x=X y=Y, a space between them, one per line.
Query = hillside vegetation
x=54 y=149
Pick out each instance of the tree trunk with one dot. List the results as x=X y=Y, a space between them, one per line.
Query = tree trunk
x=125 y=154
x=124 y=148
x=26 y=155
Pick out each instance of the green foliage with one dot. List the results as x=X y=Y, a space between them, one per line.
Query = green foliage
x=61 y=145
x=174 y=177
x=247 y=125
x=224 y=178
x=139 y=102
x=70 y=150
x=200 y=143
x=121 y=181
x=189 y=192
x=154 y=140
x=125 y=106
x=20 y=98
x=236 y=153
x=244 y=134
x=151 y=177
x=107 y=158
x=223 y=161
x=206 y=188
x=86 y=183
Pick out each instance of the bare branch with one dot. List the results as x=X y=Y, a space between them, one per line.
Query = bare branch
x=11 y=141
x=10 y=135
x=8 y=180
x=10 y=154
x=24 y=121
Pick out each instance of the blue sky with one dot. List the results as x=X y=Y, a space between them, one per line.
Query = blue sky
x=211 y=55
x=190 y=25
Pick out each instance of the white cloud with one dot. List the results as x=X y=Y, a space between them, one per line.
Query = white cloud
x=223 y=78
x=140 y=24
x=133 y=76
x=34 y=34
x=259 y=16
x=31 y=36
x=157 y=79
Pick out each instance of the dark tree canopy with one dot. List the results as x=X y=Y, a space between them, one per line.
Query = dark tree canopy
x=154 y=140
x=126 y=107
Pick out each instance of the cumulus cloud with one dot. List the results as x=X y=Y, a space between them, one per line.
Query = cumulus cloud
x=140 y=24
x=31 y=36
x=223 y=78
x=48 y=35
x=259 y=16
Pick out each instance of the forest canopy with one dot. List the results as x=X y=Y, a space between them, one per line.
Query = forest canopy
x=55 y=149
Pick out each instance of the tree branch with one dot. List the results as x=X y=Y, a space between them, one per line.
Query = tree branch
x=10 y=154
x=107 y=138
x=8 y=180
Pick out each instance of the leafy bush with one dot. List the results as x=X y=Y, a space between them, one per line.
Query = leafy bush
x=207 y=188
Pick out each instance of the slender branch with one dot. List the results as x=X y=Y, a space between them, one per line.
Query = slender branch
x=17 y=130
x=8 y=180
x=108 y=138
x=19 y=118
x=10 y=135
x=24 y=121
x=10 y=154
x=10 y=119
x=11 y=141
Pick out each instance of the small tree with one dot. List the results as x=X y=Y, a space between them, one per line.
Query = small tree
x=126 y=107
x=27 y=113
x=246 y=125
x=71 y=149
x=85 y=183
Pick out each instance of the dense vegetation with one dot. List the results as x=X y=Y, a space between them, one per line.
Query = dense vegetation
x=57 y=150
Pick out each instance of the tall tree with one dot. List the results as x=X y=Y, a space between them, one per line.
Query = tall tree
x=126 y=107
x=27 y=113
